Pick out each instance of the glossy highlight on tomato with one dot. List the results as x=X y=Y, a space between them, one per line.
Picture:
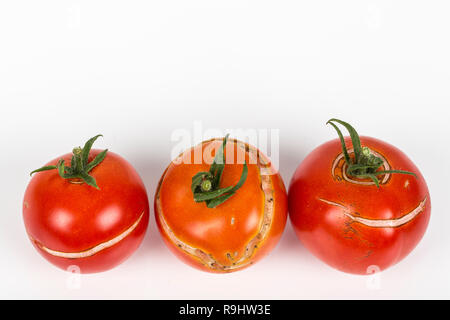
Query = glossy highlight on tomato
x=75 y=225
x=349 y=222
x=234 y=234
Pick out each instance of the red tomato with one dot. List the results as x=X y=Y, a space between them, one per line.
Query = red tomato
x=71 y=223
x=236 y=233
x=348 y=222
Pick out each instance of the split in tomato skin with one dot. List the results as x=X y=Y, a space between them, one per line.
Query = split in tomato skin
x=238 y=232
x=351 y=224
x=71 y=223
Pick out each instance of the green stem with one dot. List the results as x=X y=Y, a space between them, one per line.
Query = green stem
x=364 y=165
x=78 y=160
x=205 y=185
x=79 y=165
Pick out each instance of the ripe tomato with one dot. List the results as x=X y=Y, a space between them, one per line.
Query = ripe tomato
x=238 y=231
x=349 y=222
x=72 y=223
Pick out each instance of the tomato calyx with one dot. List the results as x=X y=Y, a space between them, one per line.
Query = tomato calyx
x=79 y=166
x=205 y=185
x=364 y=164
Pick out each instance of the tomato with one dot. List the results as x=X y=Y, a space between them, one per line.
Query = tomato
x=238 y=231
x=349 y=222
x=72 y=223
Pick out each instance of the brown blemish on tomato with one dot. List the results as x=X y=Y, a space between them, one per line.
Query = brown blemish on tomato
x=368 y=254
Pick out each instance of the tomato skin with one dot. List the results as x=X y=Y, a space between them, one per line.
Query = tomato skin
x=226 y=229
x=71 y=218
x=318 y=203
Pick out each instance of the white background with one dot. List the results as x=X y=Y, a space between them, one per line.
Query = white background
x=135 y=71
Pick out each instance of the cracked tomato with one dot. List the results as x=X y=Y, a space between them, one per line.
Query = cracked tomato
x=223 y=214
x=361 y=208
x=89 y=216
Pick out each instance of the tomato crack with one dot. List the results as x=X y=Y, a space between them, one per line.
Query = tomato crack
x=380 y=223
x=94 y=250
